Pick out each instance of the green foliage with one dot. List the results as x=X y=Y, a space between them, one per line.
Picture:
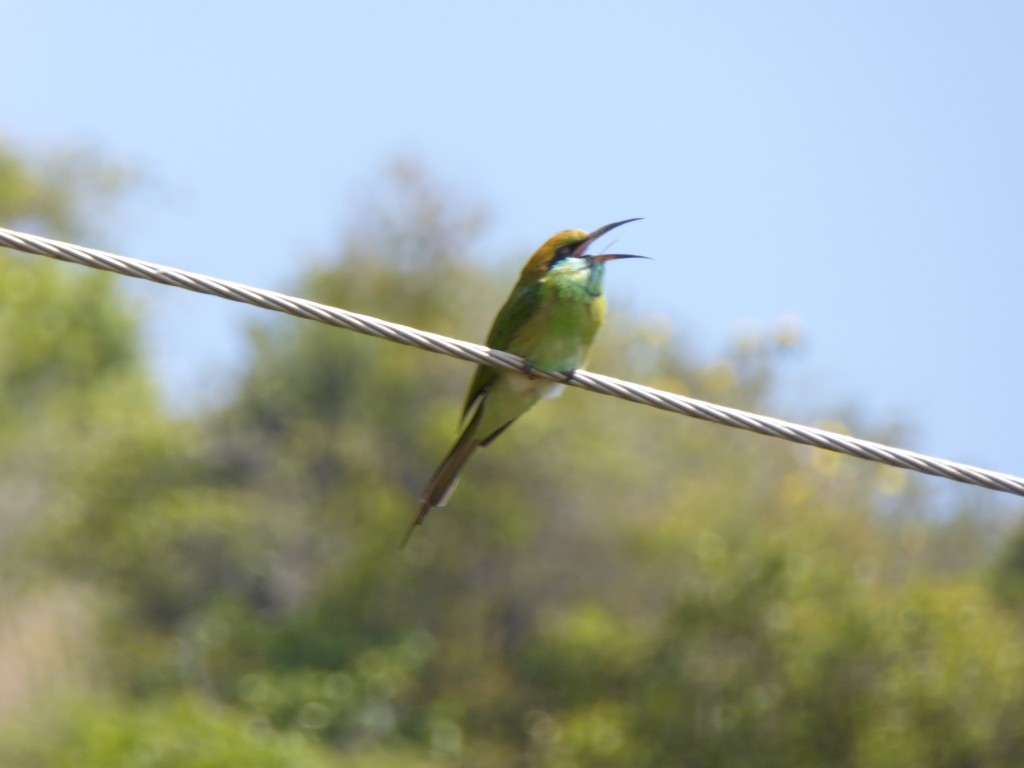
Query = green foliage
x=177 y=732
x=609 y=586
x=69 y=362
x=184 y=732
x=59 y=192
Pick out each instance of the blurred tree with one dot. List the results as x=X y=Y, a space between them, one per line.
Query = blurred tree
x=66 y=193
x=76 y=408
x=166 y=733
x=66 y=339
x=610 y=586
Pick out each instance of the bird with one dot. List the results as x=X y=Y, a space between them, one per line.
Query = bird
x=550 y=320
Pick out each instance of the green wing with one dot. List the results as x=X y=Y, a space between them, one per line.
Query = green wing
x=521 y=306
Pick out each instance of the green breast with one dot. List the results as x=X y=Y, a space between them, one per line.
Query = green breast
x=559 y=335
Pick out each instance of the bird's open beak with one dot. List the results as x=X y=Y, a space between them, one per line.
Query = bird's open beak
x=582 y=247
x=613 y=256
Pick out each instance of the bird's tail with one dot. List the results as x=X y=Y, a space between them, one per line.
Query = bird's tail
x=444 y=480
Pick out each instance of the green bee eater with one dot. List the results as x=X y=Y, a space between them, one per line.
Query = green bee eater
x=550 y=320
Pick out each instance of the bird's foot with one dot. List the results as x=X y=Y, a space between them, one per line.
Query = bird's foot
x=530 y=372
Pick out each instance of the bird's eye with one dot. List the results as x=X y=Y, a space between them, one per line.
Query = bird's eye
x=564 y=252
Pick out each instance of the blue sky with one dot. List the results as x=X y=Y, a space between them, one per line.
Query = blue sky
x=858 y=166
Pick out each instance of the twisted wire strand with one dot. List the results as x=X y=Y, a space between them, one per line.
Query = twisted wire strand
x=477 y=353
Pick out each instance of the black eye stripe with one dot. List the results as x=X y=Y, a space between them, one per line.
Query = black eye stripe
x=564 y=252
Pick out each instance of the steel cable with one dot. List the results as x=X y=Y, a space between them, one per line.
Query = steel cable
x=476 y=353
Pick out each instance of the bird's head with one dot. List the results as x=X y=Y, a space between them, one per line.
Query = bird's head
x=568 y=250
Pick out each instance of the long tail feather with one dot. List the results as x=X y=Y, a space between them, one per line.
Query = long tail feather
x=444 y=480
